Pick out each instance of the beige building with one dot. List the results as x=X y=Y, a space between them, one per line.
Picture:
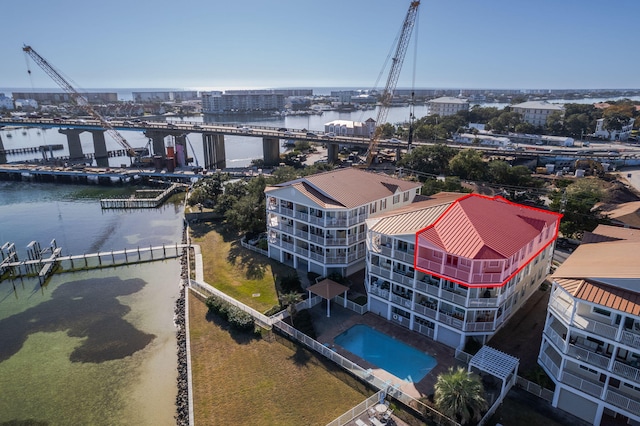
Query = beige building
x=591 y=341
x=536 y=112
x=317 y=223
x=446 y=105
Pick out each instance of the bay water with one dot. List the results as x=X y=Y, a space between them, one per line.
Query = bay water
x=95 y=347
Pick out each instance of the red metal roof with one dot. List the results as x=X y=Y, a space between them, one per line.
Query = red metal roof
x=479 y=227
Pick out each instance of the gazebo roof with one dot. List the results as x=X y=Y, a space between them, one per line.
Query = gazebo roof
x=495 y=362
x=327 y=289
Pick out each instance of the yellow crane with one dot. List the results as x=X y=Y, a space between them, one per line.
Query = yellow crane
x=392 y=79
x=81 y=101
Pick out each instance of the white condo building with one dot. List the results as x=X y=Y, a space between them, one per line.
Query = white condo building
x=446 y=105
x=457 y=266
x=536 y=112
x=614 y=134
x=317 y=223
x=591 y=342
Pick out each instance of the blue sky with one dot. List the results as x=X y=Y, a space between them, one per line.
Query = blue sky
x=228 y=44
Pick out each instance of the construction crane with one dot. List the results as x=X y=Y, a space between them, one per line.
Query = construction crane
x=392 y=79
x=81 y=101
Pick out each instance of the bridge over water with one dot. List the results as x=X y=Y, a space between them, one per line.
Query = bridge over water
x=213 y=142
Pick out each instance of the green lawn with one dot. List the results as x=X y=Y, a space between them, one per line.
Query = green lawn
x=242 y=274
x=243 y=380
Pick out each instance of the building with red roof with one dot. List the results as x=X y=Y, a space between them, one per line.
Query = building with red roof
x=456 y=266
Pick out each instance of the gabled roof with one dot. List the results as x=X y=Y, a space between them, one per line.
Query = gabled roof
x=479 y=227
x=410 y=219
x=347 y=188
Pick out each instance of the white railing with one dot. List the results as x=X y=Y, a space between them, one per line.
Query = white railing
x=535 y=389
x=423 y=329
x=594 y=326
x=479 y=326
x=336 y=242
x=630 y=339
x=587 y=386
x=382 y=272
x=402 y=278
x=302 y=215
x=453 y=297
x=623 y=402
x=551 y=366
x=449 y=320
x=316 y=256
x=563 y=310
x=373 y=289
x=555 y=338
x=626 y=370
x=253 y=248
x=404 y=257
x=385 y=250
x=351 y=305
x=582 y=354
x=483 y=302
x=424 y=310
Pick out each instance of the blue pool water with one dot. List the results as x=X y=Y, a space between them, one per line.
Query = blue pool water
x=385 y=352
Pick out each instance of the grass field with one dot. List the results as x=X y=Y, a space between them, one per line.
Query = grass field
x=244 y=275
x=244 y=380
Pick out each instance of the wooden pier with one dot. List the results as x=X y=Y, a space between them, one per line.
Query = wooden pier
x=43 y=267
x=138 y=201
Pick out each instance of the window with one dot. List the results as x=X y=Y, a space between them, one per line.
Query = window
x=405 y=196
x=396 y=199
x=383 y=204
x=601 y=311
x=373 y=207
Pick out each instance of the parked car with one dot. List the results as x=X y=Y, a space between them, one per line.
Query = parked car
x=282 y=129
x=312 y=135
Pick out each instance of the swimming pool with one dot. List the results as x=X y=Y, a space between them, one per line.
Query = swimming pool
x=397 y=358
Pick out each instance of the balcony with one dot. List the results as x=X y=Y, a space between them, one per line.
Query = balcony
x=402 y=277
x=555 y=338
x=304 y=216
x=588 y=356
x=428 y=310
x=423 y=329
x=630 y=338
x=317 y=257
x=551 y=366
x=374 y=289
x=431 y=289
x=622 y=401
x=336 y=242
x=316 y=220
x=302 y=250
x=587 y=386
x=454 y=320
x=451 y=296
x=404 y=256
x=286 y=212
x=630 y=371
x=479 y=326
x=334 y=222
x=400 y=300
x=381 y=272
x=595 y=327
x=562 y=308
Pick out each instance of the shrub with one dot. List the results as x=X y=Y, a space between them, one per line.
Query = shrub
x=312 y=276
x=304 y=323
x=239 y=319
x=290 y=284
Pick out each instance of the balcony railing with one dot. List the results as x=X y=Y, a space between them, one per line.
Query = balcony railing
x=402 y=278
x=595 y=327
x=555 y=338
x=630 y=339
x=562 y=308
x=450 y=320
x=315 y=220
x=623 y=402
x=336 y=242
x=384 y=250
x=425 y=310
x=423 y=329
x=373 y=289
x=587 y=386
x=382 y=272
x=479 y=326
x=588 y=356
x=402 y=301
x=285 y=211
x=627 y=371
x=404 y=257
x=285 y=245
x=302 y=250
x=317 y=257
x=551 y=366
x=483 y=302
x=453 y=297
x=302 y=215
x=333 y=222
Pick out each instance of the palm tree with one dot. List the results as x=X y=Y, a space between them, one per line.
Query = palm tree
x=459 y=395
x=290 y=300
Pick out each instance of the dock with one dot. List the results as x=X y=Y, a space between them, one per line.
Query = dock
x=140 y=199
x=36 y=265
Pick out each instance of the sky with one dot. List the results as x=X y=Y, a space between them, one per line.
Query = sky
x=234 y=44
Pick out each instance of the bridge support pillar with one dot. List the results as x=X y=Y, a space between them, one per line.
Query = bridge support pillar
x=332 y=152
x=100 y=148
x=271 y=151
x=181 y=150
x=214 y=154
x=75 y=146
x=157 y=139
x=3 y=157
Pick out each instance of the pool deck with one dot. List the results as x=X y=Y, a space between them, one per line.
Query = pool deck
x=342 y=319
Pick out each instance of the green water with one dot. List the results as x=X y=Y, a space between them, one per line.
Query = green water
x=93 y=347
